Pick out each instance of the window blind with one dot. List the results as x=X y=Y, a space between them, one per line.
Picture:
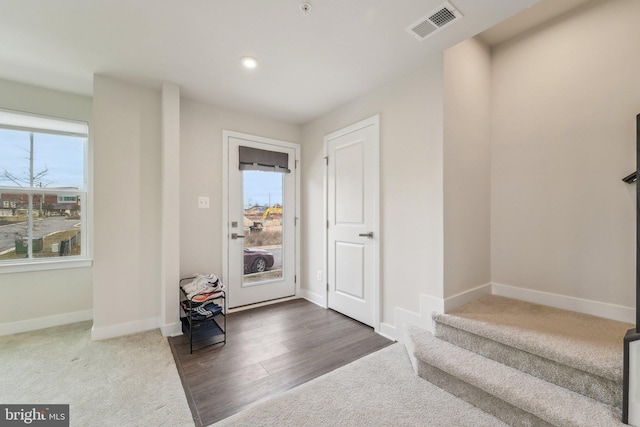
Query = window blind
x=263 y=160
x=30 y=122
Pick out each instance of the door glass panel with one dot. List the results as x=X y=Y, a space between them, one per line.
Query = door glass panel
x=262 y=226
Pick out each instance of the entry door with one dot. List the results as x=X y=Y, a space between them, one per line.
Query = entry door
x=261 y=221
x=352 y=213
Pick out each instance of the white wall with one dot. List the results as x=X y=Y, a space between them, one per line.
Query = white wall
x=201 y=127
x=127 y=184
x=565 y=98
x=411 y=134
x=467 y=167
x=60 y=296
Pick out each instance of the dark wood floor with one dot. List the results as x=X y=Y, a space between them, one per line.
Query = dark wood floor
x=269 y=350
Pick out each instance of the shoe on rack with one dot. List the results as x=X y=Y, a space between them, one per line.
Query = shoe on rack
x=206 y=288
x=200 y=298
x=192 y=285
x=208 y=278
x=208 y=310
x=213 y=308
x=202 y=310
x=201 y=283
x=189 y=305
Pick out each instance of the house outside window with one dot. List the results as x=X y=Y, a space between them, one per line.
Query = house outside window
x=43 y=190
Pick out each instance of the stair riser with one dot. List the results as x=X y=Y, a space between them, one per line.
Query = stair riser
x=587 y=384
x=497 y=407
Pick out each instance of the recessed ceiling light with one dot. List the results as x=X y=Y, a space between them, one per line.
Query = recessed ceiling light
x=305 y=8
x=249 y=62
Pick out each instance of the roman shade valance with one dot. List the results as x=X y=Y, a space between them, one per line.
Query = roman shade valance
x=254 y=159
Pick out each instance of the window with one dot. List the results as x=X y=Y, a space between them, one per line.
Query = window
x=43 y=189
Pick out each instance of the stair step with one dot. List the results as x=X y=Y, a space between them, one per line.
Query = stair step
x=576 y=351
x=586 y=383
x=590 y=343
x=513 y=396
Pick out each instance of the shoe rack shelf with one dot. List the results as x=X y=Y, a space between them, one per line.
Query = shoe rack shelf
x=204 y=331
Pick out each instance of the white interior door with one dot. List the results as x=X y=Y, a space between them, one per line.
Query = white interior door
x=352 y=213
x=261 y=222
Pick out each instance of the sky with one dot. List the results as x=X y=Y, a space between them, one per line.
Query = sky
x=61 y=155
x=260 y=187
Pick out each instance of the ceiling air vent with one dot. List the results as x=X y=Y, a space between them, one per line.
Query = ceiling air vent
x=435 y=21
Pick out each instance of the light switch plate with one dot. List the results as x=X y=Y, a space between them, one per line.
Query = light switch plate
x=203 y=202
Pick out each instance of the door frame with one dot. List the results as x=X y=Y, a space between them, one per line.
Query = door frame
x=375 y=121
x=226 y=226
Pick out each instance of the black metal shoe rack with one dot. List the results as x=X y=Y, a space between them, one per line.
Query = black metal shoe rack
x=205 y=332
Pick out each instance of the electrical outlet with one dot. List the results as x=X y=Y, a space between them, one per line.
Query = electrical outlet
x=319 y=275
x=203 y=202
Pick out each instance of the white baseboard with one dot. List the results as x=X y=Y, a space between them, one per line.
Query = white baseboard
x=45 y=322
x=422 y=319
x=407 y=317
x=317 y=299
x=594 y=308
x=122 y=329
x=429 y=305
x=171 y=330
x=388 y=331
x=463 y=298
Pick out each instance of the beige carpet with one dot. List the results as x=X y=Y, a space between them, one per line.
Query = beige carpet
x=586 y=342
x=380 y=389
x=127 y=381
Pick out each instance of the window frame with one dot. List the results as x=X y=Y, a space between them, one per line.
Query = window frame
x=44 y=124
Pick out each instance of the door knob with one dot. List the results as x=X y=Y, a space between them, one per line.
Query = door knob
x=235 y=236
x=368 y=235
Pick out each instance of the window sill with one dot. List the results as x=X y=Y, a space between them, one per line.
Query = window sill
x=25 y=266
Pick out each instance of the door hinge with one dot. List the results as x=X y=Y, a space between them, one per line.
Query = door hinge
x=297 y=161
x=327 y=223
x=295 y=222
x=327 y=287
x=295 y=279
x=326 y=160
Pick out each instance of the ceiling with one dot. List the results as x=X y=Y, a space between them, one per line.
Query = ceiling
x=308 y=64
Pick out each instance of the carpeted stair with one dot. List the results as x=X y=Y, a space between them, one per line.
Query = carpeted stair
x=527 y=364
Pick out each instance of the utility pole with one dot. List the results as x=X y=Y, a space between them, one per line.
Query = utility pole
x=30 y=212
x=41 y=199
